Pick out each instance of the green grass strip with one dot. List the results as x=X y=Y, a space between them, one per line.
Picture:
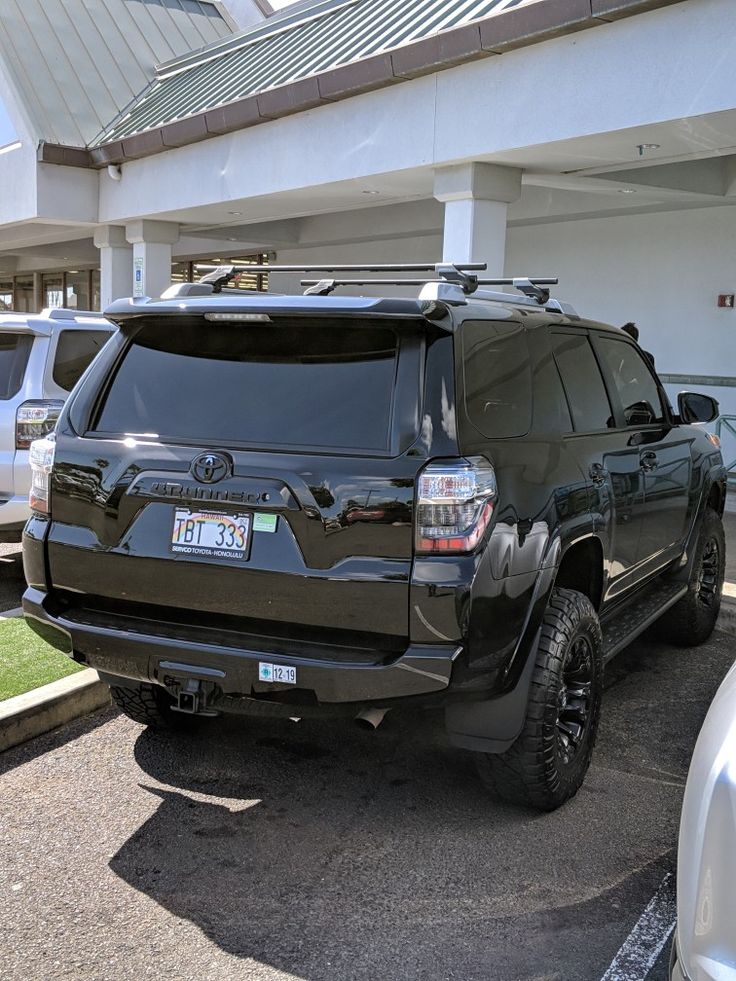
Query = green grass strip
x=26 y=661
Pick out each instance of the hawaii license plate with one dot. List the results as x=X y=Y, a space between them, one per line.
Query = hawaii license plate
x=223 y=536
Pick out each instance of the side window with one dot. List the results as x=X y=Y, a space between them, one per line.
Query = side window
x=583 y=383
x=15 y=350
x=75 y=351
x=498 y=380
x=634 y=382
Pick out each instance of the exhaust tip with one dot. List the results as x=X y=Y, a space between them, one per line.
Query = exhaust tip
x=370 y=718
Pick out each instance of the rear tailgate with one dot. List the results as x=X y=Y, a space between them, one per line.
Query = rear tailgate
x=300 y=432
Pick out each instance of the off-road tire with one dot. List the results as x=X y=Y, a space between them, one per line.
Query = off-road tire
x=534 y=771
x=692 y=619
x=150 y=705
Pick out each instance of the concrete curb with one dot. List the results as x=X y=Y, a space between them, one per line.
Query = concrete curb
x=26 y=716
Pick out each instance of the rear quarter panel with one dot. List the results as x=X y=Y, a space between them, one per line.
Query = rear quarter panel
x=492 y=599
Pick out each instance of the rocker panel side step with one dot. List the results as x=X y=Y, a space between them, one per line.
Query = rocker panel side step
x=624 y=626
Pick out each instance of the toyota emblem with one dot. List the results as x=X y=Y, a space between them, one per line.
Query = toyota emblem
x=209 y=468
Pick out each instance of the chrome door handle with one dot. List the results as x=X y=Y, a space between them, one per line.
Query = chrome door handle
x=649 y=461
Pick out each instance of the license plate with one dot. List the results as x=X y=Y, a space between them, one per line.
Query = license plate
x=211 y=533
x=276 y=673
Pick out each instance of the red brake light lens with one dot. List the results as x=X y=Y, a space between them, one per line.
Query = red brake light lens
x=455 y=501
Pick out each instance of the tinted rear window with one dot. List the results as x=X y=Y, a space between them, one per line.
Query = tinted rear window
x=498 y=379
x=75 y=351
x=283 y=384
x=14 y=352
x=584 y=387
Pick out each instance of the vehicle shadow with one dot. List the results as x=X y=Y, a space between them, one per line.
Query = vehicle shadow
x=12 y=580
x=329 y=852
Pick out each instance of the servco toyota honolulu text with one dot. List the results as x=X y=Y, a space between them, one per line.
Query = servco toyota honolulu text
x=329 y=504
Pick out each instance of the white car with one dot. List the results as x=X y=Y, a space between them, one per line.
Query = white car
x=41 y=358
x=705 y=941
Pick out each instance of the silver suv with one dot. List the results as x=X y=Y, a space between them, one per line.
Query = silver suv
x=41 y=358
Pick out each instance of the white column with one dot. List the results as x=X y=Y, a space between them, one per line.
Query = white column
x=476 y=198
x=116 y=264
x=38 y=296
x=152 y=241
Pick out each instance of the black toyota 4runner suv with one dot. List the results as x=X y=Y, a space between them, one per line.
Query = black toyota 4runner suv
x=319 y=504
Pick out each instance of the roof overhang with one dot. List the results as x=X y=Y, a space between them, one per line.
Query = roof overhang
x=495 y=35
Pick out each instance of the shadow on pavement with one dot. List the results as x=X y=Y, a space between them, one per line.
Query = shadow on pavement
x=328 y=852
x=12 y=580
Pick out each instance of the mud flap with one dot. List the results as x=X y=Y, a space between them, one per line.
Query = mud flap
x=492 y=726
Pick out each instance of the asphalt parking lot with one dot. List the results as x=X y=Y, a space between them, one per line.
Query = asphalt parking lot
x=275 y=850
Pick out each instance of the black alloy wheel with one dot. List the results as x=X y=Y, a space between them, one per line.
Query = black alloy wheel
x=573 y=714
x=707 y=584
x=692 y=619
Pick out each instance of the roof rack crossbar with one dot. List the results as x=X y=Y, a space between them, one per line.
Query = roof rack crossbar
x=534 y=289
x=461 y=275
x=220 y=276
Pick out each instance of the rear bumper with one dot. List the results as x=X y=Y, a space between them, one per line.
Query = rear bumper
x=232 y=672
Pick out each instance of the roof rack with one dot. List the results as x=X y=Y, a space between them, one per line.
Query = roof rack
x=454 y=281
x=535 y=289
x=64 y=313
x=449 y=272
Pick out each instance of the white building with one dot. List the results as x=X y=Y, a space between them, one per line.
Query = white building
x=590 y=139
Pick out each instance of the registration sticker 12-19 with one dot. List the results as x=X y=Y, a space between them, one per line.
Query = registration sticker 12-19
x=276 y=673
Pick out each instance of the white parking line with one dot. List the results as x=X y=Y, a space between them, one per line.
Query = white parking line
x=644 y=944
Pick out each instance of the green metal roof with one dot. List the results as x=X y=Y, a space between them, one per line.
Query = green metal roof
x=301 y=41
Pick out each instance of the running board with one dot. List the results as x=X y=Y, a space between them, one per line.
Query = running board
x=625 y=625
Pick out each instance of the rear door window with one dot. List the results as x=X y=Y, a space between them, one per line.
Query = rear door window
x=75 y=351
x=634 y=382
x=583 y=383
x=14 y=352
x=286 y=384
x=498 y=379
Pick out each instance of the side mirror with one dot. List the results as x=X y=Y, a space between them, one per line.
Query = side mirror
x=694 y=407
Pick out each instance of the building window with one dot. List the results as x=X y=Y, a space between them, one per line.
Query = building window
x=52 y=286
x=23 y=300
x=77 y=290
x=6 y=294
x=95 y=290
x=190 y=272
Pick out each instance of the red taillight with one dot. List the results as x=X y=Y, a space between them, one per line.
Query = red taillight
x=41 y=459
x=455 y=501
x=34 y=420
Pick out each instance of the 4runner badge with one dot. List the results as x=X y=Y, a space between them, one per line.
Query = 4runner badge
x=210 y=468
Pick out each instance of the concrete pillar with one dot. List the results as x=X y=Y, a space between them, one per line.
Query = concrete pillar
x=116 y=264
x=476 y=198
x=38 y=296
x=152 y=241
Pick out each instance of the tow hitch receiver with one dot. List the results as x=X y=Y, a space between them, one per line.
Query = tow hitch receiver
x=191 y=698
